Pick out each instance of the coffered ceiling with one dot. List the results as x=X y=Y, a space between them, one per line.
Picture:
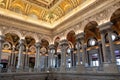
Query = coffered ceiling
x=46 y=13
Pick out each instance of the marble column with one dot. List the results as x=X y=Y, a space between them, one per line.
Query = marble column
x=51 y=53
x=100 y=53
x=37 y=57
x=64 y=45
x=113 y=57
x=1 y=43
x=45 y=63
x=105 y=55
x=26 y=60
x=11 y=66
x=15 y=59
x=108 y=66
x=20 y=56
x=12 y=58
x=78 y=52
x=80 y=39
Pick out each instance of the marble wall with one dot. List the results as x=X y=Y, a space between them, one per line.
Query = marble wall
x=59 y=76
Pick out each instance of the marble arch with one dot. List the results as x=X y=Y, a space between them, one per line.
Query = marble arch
x=113 y=9
x=56 y=37
x=70 y=45
x=67 y=32
x=33 y=35
x=17 y=32
x=46 y=38
x=86 y=23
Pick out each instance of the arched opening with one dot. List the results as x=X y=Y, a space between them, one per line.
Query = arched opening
x=115 y=19
x=71 y=37
x=9 y=50
x=57 y=54
x=71 y=57
x=92 y=35
x=44 y=54
x=29 y=52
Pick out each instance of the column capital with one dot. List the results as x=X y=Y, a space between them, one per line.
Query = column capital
x=80 y=36
x=51 y=46
x=38 y=44
x=64 y=42
x=21 y=41
x=105 y=26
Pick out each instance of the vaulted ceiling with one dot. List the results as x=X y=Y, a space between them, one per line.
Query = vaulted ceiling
x=48 y=13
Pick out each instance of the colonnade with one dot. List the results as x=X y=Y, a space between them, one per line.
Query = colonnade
x=107 y=64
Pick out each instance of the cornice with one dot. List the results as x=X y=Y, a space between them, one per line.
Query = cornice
x=96 y=7
x=12 y=22
x=82 y=15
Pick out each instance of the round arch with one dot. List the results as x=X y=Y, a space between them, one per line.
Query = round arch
x=17 y=32
x=35 y=36
x=67 y=32
x=46 y=38
x=71 y=37
x=56 y=38
x=113 y=10
x=91 y=30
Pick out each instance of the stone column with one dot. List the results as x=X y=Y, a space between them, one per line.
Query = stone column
x=20 y=56
x=113 y=57
x=64 y=45
x=1 y=43
x=37 y=57
x=80 y=39
x=78 y=52
x=26 y=60
x=13 y=54
x=11 y=66
x=104 y=47
x=107 y=66
x=45 y=62
x=15 y=60
x=100 y=53
x=51 y=53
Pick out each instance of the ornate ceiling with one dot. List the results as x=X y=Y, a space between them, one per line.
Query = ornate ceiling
x=48 y=13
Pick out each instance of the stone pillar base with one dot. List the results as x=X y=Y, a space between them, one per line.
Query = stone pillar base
x=36 y=70
x=110 y=68
x=9 y=69
x=19 y=69
x=26 y=69
x=62 y=69
x=50 y=69
x=81 y=69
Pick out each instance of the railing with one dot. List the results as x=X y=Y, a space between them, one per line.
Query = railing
x=72 y=69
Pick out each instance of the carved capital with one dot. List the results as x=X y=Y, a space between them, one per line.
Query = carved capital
x=38 y=45
x=105 y=26
x=64 y=42
x=52 y=46
x=80 y=36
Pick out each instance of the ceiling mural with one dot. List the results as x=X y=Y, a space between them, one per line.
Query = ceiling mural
x=44 y=10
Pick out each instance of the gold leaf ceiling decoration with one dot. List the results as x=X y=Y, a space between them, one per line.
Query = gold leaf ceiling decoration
x=44 y=10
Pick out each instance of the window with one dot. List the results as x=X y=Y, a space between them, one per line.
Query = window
x=117 y=53
x=92 y=42
x=95 y=60
x=68 y=50
x=114 y=36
